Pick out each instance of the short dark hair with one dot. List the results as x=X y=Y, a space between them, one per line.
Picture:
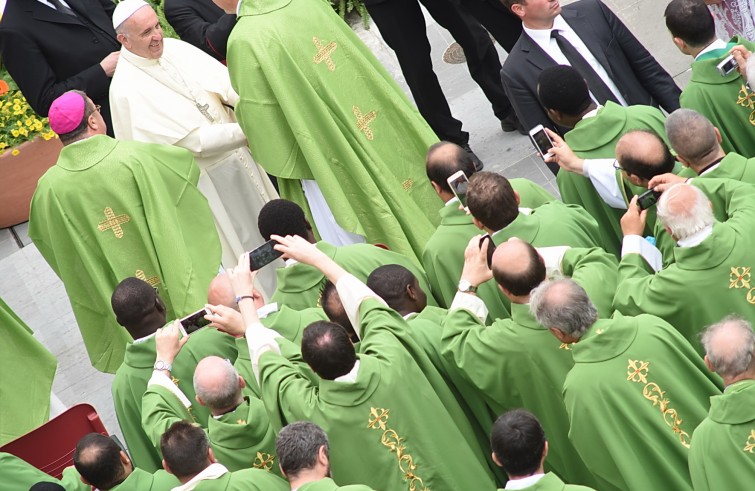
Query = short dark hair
x=518 y=441
x=331 y=304
x=81 y=129
x=98 y=459
x=440 y=167
x=282 y=217
x=297 y=446
x=649 y=168
x=561 y=88
x=132 y=301
x=326 y=347
x=522 y=282
x=691 y=21
x=510 y=3
x=46 y=486
x=491 y=200
x=389 y=282
x=185 y=449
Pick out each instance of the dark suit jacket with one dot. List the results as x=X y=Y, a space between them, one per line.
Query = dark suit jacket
x=48 y=53
x=635 y=72
x=201 y=23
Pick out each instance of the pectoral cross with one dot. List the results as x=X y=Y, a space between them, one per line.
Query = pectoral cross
x=204 y=109
x=364 y=120
x=113 y=222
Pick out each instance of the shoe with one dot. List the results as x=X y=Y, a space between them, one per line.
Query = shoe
x=478 y=165
x=511 y=123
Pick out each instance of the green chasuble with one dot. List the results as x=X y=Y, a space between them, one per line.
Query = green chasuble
x=707 y=281
x=244 y=480
x=27 y=370
x=635 y=395
x=551 y=482
x=722 y=453
x=329 y=484
x=517 y=363
x=596 y=138
x=300 y=285
x=388 y=428
x=240 y=439
x=17 y=474
x=112 y=209
x=131 y=379
x=725 y=101
x=315 y=103
x=141 y=480
x=443 y=257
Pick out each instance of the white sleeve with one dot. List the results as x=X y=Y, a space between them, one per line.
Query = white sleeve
x=472 y=303
x=352 y=293
x=260 y=340
x=603 y=177
x=212 y=139
x=160 y=378
x=634 y=244
x=553 y=257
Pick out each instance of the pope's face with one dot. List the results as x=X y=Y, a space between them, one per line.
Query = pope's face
x=143 y=36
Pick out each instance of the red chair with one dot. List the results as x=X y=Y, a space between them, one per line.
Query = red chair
x=50 y=447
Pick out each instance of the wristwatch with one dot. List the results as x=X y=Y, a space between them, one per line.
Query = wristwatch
x=163 y=366
x=466 y=287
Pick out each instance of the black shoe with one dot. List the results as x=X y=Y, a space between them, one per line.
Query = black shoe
x=478 y=165
x=511 y=123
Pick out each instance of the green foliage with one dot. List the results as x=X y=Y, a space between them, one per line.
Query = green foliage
x=344 y=7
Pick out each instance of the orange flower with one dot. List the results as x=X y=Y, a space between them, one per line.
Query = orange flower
x=3 y=87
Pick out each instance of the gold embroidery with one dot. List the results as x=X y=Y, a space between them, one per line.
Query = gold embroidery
x=190 y=409
x=599 y=332
x=363 y=121
x=174 y=380
x=638 y=373
x=113 y=222
x=566 y=346
x=378 y=419
x=264 y=461
x=408 y=184
x=152 y=280
x=750 y=443
x=324 y=53
x=751 y=296
x=240 y=421
x=746 y=99
x=739 y=278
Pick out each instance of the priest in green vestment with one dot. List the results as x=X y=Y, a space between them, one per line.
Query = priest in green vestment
x=725 y=99
x=28 y=369
x=142 y=313
x=635 y=394
x=520 y=448
x=299 y=285
x=710 y=278
x=319 y=110
x=377 y=401
x=16 y=473
x=109 y=210
x=516 y=362
x=443 y=256
x=102 y=464
x=722 y=451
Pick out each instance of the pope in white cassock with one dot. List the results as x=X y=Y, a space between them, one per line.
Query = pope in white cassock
x=167 y=91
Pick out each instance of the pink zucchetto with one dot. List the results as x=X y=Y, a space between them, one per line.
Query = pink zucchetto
x=66 y=112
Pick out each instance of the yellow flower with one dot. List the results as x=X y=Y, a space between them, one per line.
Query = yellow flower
x=14 y=133
x=38 y=126
x=16 y=101
x=15 y=152
x=3 y=145
x=16 y=107
x=24 y=131
x=28 y=122
x=19 y=124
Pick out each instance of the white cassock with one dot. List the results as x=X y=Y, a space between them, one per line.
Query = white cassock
x=185 y=99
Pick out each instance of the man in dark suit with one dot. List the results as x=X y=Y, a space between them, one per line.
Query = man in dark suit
x=52 y=46
x=592 y=39
x=504 y=26
x=201 y=23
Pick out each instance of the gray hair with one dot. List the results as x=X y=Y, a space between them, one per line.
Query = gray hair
x=297 y=446
x=220 y=394
x=564 y=305
x=681 y=217
x=736 y=358
x=691 y=136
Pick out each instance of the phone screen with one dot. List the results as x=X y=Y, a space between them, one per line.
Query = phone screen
x=648 y=199
x=263 y=255
x=542 y=142
x=195 y=321
x=459 y=185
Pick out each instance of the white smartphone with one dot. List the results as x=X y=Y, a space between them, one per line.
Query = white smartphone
x=728 y=65
x=542 y=141
x=458 y=183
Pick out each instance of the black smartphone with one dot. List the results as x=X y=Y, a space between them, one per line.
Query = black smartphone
x=458 y=183
x=648 y=199
x=491 y=249
x=263 y=255
x=194 y=322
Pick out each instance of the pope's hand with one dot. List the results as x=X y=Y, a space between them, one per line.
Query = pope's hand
x=476 y=269
x=226 y=319
x=168 y=342
x=633 y=221
x=298 y=248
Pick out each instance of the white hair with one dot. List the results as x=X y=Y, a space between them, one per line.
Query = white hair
x=679 y=217
x=735 y=359
x=220 y=394
x=570 y=310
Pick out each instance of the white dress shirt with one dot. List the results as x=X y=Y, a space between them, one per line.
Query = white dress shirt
x=524 y=482
x=717 y=44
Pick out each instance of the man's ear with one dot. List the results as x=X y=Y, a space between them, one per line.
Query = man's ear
x=411 y=292
x=554 y=115
x=682 y=161
x=708 y=363
x=307 y=225
x=322 y=456
x=637 y=181
x=478 y=223
x=518 y=10
x=242 y=382
x=211 y=456
x=495 y=459
x=559 y=335
x=436 y=187
x=718 y=135
x=680 y=44
x=199 y=400
x=518 y=199
x=167 y=467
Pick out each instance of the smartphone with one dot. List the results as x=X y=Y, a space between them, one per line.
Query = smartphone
x=459 y=183
x=728 y=65
x=263 y=255
x=491 y=249
x=542 y=141
x=194 y=322
x=648 y=199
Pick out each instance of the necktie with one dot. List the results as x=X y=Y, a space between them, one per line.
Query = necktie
x=62 y=8
x=597 y=86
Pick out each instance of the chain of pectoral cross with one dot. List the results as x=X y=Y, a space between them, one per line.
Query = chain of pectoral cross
x=177 y=77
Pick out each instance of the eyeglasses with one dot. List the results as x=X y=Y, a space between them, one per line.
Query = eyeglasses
x=617 y=165
x=97 y=108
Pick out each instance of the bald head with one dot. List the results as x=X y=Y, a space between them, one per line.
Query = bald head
x=563 y=305
x=444 y=159
x=684 y=210
x=517 y=267
x=693 y=138
x=221 y=293
x=217 y=384
x=730 y=348
x=644 y=154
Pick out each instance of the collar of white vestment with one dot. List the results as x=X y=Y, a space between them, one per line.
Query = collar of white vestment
x=137 y=60
x=696 y=238
x=267 y=309
x=213 y=471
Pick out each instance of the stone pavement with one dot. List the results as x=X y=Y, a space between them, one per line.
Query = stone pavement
x=38 y=297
